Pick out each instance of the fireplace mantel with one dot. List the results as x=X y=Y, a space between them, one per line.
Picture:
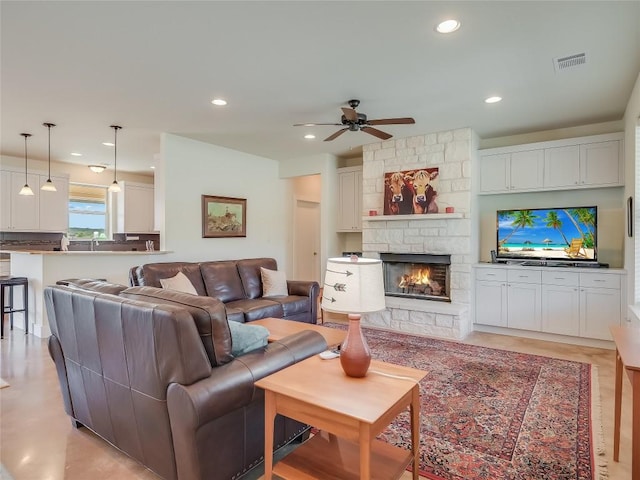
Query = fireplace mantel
x=426 y=216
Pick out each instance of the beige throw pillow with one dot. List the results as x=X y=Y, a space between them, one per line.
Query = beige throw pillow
x=179 y=283
x=274 y=283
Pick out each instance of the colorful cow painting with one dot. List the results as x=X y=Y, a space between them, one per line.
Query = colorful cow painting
x=411 y=192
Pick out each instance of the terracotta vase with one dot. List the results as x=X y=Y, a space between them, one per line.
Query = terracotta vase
x=355 y=356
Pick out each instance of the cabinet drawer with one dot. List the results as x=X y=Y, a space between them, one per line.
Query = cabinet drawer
x=495 y=274
x=599 y=280
x=524 y=276
x=570 y=279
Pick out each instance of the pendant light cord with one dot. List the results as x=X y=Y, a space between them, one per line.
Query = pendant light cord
x=25 y=135
x=49 y=125
x=115 y=151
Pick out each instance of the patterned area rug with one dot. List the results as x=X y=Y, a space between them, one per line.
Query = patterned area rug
x=494 y=414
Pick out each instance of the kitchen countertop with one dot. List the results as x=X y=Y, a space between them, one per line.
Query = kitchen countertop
x=87 y=252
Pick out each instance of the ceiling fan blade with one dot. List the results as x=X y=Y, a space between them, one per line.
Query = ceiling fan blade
x=336 y=135
x=391 y=121
x=376 y=133
x=314 y=124
x=350 y=114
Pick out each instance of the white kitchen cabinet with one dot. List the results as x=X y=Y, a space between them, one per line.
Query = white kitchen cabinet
x=523 y=299
x=135 y=205
x=41 y=212
x=561 y=301
x=24 y=208
x=585 y=162
x=518 y=171
x=54 y=206
x=350 y=199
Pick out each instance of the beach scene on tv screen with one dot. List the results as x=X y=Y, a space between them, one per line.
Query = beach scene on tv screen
x=555 y=233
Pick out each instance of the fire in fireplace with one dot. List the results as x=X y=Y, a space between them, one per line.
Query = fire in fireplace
x=422 y=276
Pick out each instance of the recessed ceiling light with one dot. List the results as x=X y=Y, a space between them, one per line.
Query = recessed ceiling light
x=97 y=168
x=219 y=102
x=152 y=167
x=76 y=154
x=309 y=136
x=448 y=26
x=492 y=99
x=108 y=144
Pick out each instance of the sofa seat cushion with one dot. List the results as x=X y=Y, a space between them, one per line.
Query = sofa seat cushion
x=246 y=337
x=258 y=308
x=292 y=304
x=208 y=314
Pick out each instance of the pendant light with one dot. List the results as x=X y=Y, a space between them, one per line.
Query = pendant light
x=114 y=187
x=26 y=190
x=48 y=185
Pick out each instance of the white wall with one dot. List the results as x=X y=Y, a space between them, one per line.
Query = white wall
x=77 y=173
x=189 y=169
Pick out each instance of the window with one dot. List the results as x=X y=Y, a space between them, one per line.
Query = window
x=88 y=212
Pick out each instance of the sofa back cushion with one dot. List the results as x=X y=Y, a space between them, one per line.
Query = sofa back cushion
x=222 y=281
x=150 y=274
x=249 y=271
x=93 y=285
x=208 y=314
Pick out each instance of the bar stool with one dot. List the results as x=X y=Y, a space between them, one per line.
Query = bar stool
x=8 y=282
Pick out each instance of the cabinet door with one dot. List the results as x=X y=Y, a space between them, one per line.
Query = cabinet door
x=561 y=309
x=54 y=206
x=600 y=164
x=25 y=208
x=527 y=170
x=599 y=308
x=523 y=306
x=347 y=202
x=358 y=200
x=5 y=200
x=138 y=209
x=562 y=166
x=494 y=173
x=491 y=303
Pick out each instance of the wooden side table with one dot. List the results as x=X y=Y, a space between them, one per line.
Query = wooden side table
x=351 y=412
x=627 y=340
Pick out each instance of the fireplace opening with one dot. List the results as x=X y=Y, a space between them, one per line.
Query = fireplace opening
x=423 y=276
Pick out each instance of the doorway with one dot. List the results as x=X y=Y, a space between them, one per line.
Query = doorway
x=306 y=249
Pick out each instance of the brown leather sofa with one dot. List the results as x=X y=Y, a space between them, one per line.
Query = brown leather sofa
x=237 y=284
x=151 y=372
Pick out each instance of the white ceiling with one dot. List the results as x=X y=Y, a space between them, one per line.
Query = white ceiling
x=154 y=66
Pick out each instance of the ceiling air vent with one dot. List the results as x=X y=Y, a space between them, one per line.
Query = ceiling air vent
x=562 y=63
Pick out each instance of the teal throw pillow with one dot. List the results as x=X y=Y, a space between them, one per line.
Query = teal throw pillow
x=245 y=337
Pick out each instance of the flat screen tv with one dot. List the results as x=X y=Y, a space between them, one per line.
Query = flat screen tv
x=562 y=234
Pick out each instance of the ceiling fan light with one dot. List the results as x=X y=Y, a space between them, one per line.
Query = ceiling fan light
x=26 y=190
x=48 y=186
x=97 y=168
x=448 y=26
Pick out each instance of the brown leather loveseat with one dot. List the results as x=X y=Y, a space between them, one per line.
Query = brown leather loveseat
x=151 y=371
x=237 y=284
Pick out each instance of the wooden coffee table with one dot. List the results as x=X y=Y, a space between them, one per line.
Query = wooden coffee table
x=351 y=412
x=279 y=328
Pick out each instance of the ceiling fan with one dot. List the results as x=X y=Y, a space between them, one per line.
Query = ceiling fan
x=354 y=121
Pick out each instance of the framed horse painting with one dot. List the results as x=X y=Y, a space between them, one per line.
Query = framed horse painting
x=224 y=217
x=411 y=192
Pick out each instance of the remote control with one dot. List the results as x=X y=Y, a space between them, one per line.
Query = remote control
x=329 y=354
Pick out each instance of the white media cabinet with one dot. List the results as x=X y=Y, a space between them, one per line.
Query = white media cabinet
x=564 y=304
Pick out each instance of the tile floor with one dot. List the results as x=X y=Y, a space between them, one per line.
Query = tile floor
x=37 y=441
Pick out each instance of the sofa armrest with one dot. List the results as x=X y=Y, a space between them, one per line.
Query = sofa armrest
x=231 y=386
x=304 y=289
x=195 y=409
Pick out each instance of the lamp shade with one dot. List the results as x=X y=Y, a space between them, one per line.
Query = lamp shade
x=353 y=285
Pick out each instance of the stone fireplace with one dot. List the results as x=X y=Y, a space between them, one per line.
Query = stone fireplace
x=443 y=234
x=422 y=276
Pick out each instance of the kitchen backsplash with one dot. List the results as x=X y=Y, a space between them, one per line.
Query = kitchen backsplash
x=51 y=241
